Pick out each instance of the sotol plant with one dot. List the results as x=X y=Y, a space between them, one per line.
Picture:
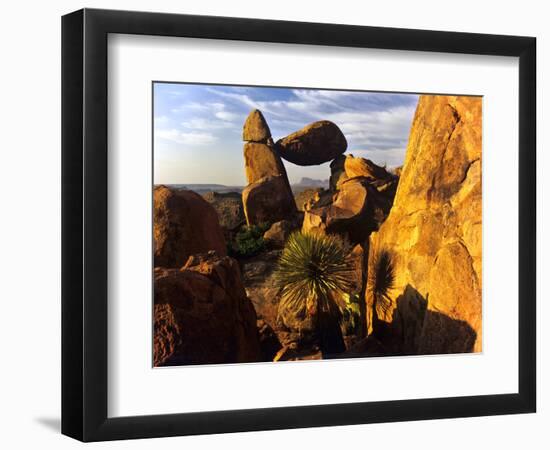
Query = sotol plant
x=314 y=274
x=381 y=280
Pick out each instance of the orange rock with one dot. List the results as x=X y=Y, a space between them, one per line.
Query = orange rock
x=316 y=143
x=261 y=161
x=361 y=167
x=268 y=200
x=183 y=224
x=255 y=128
x=202 y=314
x=433 y=232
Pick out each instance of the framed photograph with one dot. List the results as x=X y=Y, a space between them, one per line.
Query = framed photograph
x=273 y=224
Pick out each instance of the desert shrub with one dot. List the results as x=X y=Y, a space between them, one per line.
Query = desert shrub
x=351 y=314
x=381 y=280
x=249 y=240
x=314 y=274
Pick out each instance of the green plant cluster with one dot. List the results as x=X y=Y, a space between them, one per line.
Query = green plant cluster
x=351 y=313
x=313 y=272
x=249 y=240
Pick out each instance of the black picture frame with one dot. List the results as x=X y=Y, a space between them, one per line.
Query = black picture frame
x=84 y=224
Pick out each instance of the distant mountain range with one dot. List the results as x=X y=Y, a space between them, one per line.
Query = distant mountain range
x=305 y=182
x=312 y=182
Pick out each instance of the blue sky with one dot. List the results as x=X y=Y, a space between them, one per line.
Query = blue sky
x=197 y=128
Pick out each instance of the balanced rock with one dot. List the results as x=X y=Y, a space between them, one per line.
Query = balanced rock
x=183 y=224
x=433 y=234
x=314 y=144
x=268 y=200
x=255 y=127
x=202 y=314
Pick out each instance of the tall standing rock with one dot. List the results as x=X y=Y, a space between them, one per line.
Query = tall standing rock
x=268 y=196
x=183 y=224
x=433 y=234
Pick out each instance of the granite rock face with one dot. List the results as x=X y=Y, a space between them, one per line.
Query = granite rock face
x=184 y=224
x=433 y=234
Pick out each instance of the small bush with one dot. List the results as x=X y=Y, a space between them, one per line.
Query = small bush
x=249 y=241
x=351 y=314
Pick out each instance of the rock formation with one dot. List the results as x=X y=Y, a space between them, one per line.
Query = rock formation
x=255 y=128
x=202 y=314
x=268 y=197
x=316 y=143
x=337 y=172
x=360 y=202
x=183 y=224
x=361 y=167
x=268 y=200
x=433 y=235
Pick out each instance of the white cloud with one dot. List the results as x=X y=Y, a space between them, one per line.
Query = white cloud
x=227 y=116
x=206 y=124
x=191 y=138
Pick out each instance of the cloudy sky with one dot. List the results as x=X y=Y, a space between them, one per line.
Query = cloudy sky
x=197 y=128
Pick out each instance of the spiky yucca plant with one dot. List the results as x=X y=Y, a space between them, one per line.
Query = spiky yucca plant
x=314 y=273
x=381 y=280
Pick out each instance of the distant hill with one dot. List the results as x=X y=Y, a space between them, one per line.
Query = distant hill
x=203 y=188
x=304 y=183
x=312 y=182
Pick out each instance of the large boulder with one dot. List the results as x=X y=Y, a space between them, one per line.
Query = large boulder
x=202 y=314
x=255 y=127
x=183 y=224
x=315 y=144
x=354 y=211
x=362 y=167
x=268 y=200
x=433 y=234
